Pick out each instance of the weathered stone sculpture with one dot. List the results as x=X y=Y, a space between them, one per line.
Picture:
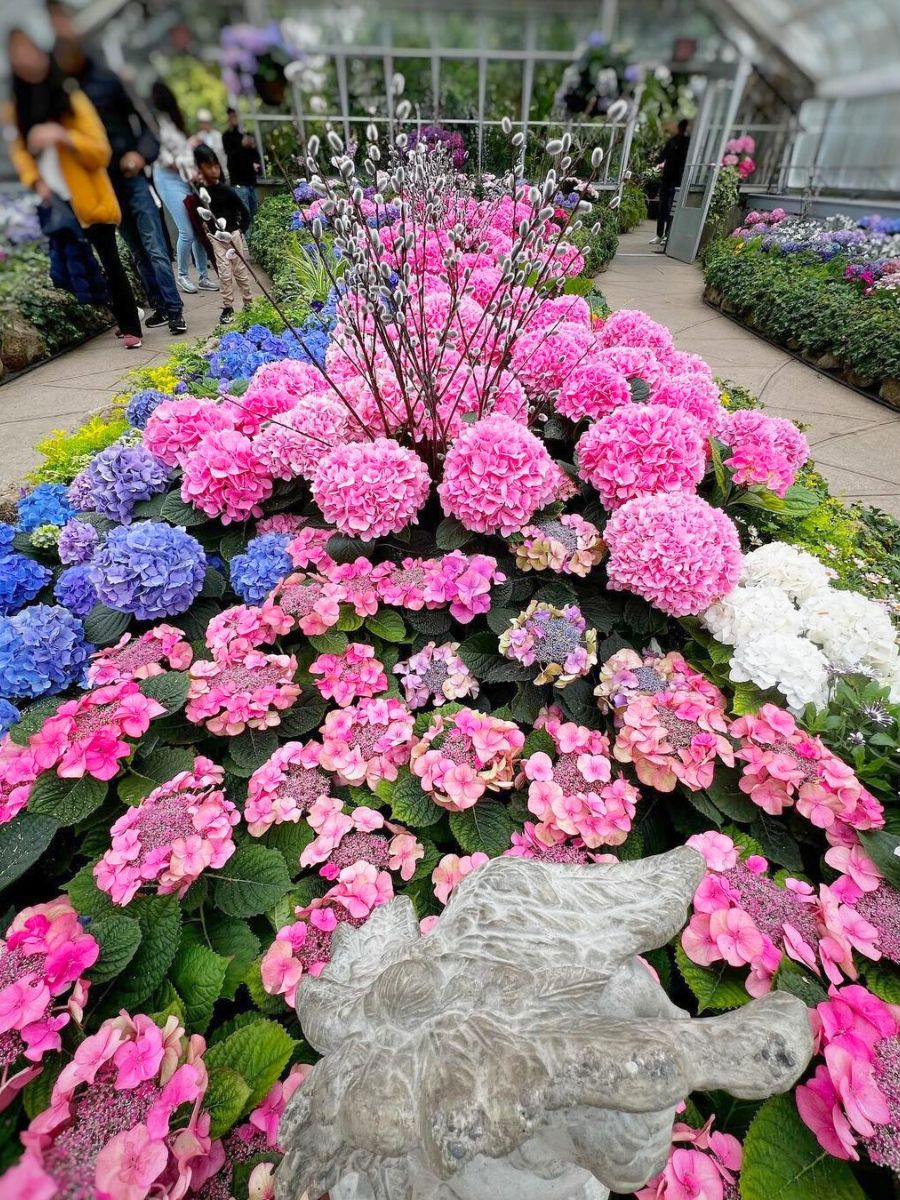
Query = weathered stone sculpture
x=519 y=1051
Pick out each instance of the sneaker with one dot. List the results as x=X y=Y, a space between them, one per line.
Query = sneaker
x=226 y=316
x=654 y=241
x=208 y=285
x=187 y=285
x=141 y=313
x=177 y=324
x=156 y=319
x=132 y=342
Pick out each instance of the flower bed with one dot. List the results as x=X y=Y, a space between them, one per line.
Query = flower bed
x=825 y=289
x=457 y=569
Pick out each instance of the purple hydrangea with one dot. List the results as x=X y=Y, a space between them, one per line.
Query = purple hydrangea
x=75 y=591
x=263 y=565
x=120 y=476
x=150 y=569
x=77 y=542
x=48 y=504
x=141 y=406
x=81 y=493
x=42 y=649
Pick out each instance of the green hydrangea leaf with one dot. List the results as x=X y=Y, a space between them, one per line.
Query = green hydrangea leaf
x=160 y=921
x=176 y=512
x=486 y=826
x=253 y=747
x=198 y=975
x=103 y=626
x=410 y=804
x=258 y=1052
x=22 y=842
x=67 y=801
x=119 y=938
x=169 y=689
x=783 y=1160
x=716 y=987
x=387 y=624
x=451 y=534
x=226 y=1099
x=252 y=881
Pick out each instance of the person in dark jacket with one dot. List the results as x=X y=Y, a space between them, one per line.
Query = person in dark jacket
x=243 y=162
x=674 y=157
x=134 y=147
x=233 y=221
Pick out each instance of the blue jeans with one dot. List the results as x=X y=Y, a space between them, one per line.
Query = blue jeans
x=143 y=233
x=247 y=193
x=172 y=191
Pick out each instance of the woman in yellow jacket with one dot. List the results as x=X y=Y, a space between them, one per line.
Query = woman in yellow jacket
x=59 y=146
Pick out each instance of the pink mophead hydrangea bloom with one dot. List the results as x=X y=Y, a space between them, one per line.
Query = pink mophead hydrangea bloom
x=542 y=359
x=369 y=489
x=461 y=757
x=695 y=394
x=674 y=736
x=592 y=389
x=87 y=736
x=285 y=787
x=233 y=633
x=176 y=427
x=632 y=327
x=640 y=450
x=764 y=450
x=248 y=693
x=353 y=674
x=497 y=475
x=225 y=477
x=295 y=444
x=171 y=837
x=368 y=741
x=676 y=551
x=163 y=648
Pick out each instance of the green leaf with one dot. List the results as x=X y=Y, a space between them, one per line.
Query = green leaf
x=258 y=1052
x=86 y=897
x=526 y=703
x=346 y=549
x=234 y=542
x=884 y=982
x=165 y=763
x=783 y=1160
x=252 y=881
x=578 y=701
x=22 y=842
x=119 y=938
x=194 y=622
x=729 y=799
x=303 y=716
x=387 y=624
x=640 y=389
x=68 y=801
x=33 y=718
x=226 y=1099
x=349 y=620
x=881 y=847
x=147 y=510
x=539 y=740
x=169 y=689
x=790 y=978
x=253 y=747
x=36 y=1094
x=799 y=502
x=758 y=497
x=486 y=826
x=160 y=921
x=480 y=654
x=451 y=534
x=165 y=1003
x=236 y=942
x=599 y=611
x=103 y=626
x=715 y=454
x=176 y=512
x=716 y=987
x=213 y=584
x=429 y=622
x=410 y=804
x=330 y=642
x=777 y=842
x=198 y=975
x=500 y=619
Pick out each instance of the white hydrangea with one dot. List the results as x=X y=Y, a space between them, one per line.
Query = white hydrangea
x=793 y=665
x=855 y=633
x=746 y=614
x=779 y=565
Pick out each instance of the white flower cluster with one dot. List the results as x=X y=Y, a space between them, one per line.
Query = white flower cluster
x=793 y=631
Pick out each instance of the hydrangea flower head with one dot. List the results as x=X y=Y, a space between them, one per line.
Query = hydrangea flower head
x=21 y=578
x=75 y=591
x=566 y=544
x=695 y=394
x=47 y=504
x=77 y=542
x=150 y=569
x=245 y=693
x=435 y=675
x=796 y=572
x=232 y=634
x=176 y=427
x=369 y=489
x=592 y=389
x=226 y=477
x=632 y=327
x=142 y=404
x=120 y=476
x=309 y=602
x=261 y=567
x=557 y=639
x=9 y=716
x=368 y=741
x=354 y=674
x=627 y=673
x=347 y=839
x=42 y=649
x=767 y=451
x=163 y=648
x=674 y=737
x=452 y=870
x=295 y=444
x=356 y=583
x=701 y=1164
x=171 y=837
x=461 y=757
x=285 y=787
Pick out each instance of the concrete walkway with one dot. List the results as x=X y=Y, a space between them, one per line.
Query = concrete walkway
x=61 y=393
x=855 y=442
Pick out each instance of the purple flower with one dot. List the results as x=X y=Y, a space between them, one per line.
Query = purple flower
x=120 y=476
x=81 y=493
x=77 y=542
x=75 y=591
x=150 y=569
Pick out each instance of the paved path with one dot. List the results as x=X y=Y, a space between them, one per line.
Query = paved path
x=856 y=442
x=61 y=393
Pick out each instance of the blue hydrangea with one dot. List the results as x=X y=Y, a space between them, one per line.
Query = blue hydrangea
x=7 y=533
x=21 y=578
x=304 y=193
x=238 y=355
x=120 y=476
x=75 y=591
x=142 y=404
x=150 y=569
x=77 y=542
x=264 y=564
x=9 y=716
x=42 y=649
x=48 y=504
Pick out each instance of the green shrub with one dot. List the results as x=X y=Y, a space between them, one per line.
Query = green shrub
x=633 y=208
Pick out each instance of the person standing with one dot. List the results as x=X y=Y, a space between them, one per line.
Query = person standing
x=672 y=162
x=61 y=151
x=227 y=206
x=208 y=135
x=172 y=172
x=243 y=162
x=134 y=146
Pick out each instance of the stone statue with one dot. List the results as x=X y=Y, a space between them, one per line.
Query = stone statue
x=520 y=1050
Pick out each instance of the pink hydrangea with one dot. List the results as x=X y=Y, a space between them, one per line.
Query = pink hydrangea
x=558 y=640
x=634 y=362
x=369 y=489
x=461 y=757
x=682 y=362
x=452 y=870
x=631 y=327
x=695 y=394
x=87 y=736
x=783 y=766
x=456 y=580
x=356 y=585
x=308 y=549
x=566 y=544
x=171 y=837
x=285 y=787
x=125 y=1118
x=639 y=450
x=273 y=391
x=176 y=427
x=435 y=675
x=233 y=633
x=676 y=551
x=592 y=389
x=250 y=692
x=295 y=444
x=627 y=673
x=551 y=312
x=18 y=772
x=351 y=675
x=361 y=836
x=225 y=477
x=497 y=475
x=42 y=958
x=542 y=359
x=160 y=649
x=310 y=602
x=703 y=1165
x=765 y=450
x=479 y=390
x=367 y=742
x=674 y=737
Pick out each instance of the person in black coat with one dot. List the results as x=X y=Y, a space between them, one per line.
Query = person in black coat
x=244 y=166
x=674 y=157
x=232 y=220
